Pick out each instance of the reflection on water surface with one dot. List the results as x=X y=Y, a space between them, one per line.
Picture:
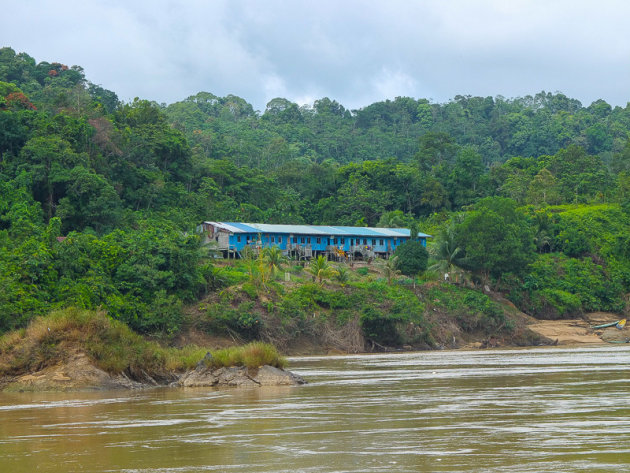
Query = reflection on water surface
x=533 y=410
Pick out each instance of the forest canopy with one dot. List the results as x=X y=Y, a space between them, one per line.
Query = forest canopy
x=100 y=199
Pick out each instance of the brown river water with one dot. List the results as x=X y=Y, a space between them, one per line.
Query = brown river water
x=524 y=410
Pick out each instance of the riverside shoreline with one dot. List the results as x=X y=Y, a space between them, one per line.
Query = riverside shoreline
x=79 y=374
x=76 y=371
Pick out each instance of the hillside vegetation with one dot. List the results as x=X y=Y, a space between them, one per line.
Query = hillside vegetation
x=527 y=198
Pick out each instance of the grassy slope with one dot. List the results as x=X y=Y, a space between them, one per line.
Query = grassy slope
x=111 y=346
x=365 y=312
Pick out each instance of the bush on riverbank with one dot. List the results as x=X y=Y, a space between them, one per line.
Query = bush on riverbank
x=353 y=315
x=472 y=310
x=559 y=286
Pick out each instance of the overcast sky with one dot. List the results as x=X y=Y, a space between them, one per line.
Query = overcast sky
x=356 y=52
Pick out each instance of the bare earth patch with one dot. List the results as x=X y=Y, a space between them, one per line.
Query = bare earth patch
x=578 y=331
x=74 y=374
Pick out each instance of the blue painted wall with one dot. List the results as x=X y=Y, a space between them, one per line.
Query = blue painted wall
x=378 y=244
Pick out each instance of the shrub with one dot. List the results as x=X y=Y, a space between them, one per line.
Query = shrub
x=412 y=258
x=474 y=311
x=559 y=286
x=379 y=327
x=250 y=290
x=243 y=320
x=555 y=304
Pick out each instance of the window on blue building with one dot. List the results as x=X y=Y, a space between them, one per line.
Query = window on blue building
x=238 y=238
x=318 y=240
x=273 y=239
x=381 y=242
x=279 y=239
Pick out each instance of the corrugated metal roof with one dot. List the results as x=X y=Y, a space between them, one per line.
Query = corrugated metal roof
x=227 y=227
x=398 y=232
x=331 y=231
x=362 y=231
x=244 y=227
x=324 y=230
x=290 y=229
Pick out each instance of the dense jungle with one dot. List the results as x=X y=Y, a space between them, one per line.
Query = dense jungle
x=527 y=200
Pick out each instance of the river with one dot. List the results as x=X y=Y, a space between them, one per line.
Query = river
x=523 y=410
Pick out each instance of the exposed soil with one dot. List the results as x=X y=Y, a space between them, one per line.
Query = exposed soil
x=76 y=373
x=578 y=331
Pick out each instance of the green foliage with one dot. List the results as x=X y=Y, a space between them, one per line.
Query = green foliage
x=313 y=296
x=392 y=315
x=128 y=182
x=342 y=276
x=551 y=303
x=241 y=320
x=274 y=259
x=496 y=237
x=558 y=286
x=321 y=269
x=387 y=315
x=140 y=277
x=448 y=257
x=390 y=268
x=590 y=273
x=472 y=310
x=412 y=258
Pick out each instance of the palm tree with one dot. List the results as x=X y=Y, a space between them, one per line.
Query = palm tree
x=449 y=257
x=274 y=259
x=390 y=268
x=257 y=269
x=342 y=276
x=320 y=269
x=543 y=241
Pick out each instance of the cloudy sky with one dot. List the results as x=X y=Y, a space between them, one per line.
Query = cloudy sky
x=356 y=52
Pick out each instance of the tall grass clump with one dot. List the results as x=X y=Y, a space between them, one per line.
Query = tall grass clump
x=252 y=355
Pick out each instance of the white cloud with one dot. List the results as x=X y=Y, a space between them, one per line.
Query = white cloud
x=355 y=51
x=390 y=84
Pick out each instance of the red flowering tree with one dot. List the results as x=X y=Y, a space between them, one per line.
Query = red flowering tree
x=17 y=100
